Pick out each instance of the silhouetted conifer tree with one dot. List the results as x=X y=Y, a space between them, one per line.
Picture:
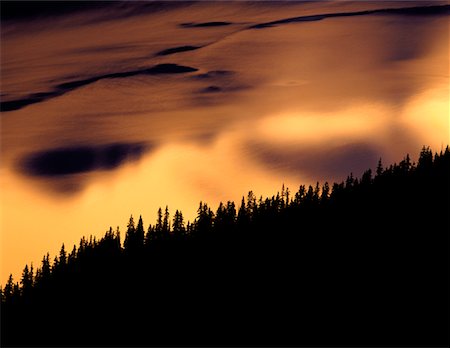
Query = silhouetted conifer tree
x=9 y=288
x=349 y=182
x=27 y=280
x=55 y=263
x=16 y=293
x=405 y=165
x=72 y=256
x=178 y=225
x=379 y=170
x=300 y=195
x=130 y=234
x=287 y=193
x=166 y=223
x=62 y=256
x=309 y=197
x=425 y=161
x=150 y=235
x=251 y=204
x=367 y=177
x=139 y=234
x=325 y=193
x=243 y=218
x=204 y=221
x=159 y=225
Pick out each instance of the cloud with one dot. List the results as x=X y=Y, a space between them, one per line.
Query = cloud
x=81 y=159
x=318 y=163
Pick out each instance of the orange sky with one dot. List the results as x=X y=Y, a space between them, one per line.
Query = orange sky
x=284 y=101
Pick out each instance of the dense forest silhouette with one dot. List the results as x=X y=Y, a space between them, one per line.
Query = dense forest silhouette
x=361 y=262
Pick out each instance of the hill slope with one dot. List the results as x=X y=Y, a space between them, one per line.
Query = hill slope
x=364 y=262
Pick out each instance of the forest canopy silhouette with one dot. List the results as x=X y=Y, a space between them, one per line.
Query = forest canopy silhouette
x=360 y=262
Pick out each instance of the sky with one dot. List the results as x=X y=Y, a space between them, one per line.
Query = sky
x=111 y=109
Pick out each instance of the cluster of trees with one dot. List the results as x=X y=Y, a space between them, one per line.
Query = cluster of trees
x=360 y=262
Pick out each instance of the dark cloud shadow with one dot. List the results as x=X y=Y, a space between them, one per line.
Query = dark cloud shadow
x=319 y=163
x=179 y=49
x=411 y=11
x=81 y=159
x=71 y=85
x=205 y=24
x=63 y=186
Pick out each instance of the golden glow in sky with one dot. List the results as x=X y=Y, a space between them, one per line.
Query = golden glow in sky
x=256 y=108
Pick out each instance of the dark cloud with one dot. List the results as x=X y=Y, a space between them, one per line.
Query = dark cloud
x=333 y=163
x=17 y=104
x=227 y=87
x=71 y=85
x=221 y=81
x=179 y=49
x=26 y=10
x=412 y=11
x=205 y=24
x=211 y=89
x=155 y=70
x=13 y=10
x=214 y=74
x=80 y=159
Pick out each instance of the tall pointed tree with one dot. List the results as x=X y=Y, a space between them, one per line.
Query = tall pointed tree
x=8 y=290
x=26 y=281
x=139 y=234
x=62 y=255
x=379 y=170
x=159 y=225
x=130 y=234
x=166 y=223
x=178 y=225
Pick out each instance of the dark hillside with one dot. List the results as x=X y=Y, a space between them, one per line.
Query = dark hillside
x=363 y=262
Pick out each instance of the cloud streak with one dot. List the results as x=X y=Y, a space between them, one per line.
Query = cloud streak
x=72 y=85
x=205 y=24
x=179 y=49
x=411 y=11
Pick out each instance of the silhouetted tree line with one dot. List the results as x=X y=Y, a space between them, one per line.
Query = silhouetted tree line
x=360 y=262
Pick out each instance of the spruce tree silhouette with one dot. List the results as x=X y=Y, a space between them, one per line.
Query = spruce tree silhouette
x=178 y=226
x=139 y=235
x=27 y=281
x=8 y=290
x=130 y=236
x=166 y=224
